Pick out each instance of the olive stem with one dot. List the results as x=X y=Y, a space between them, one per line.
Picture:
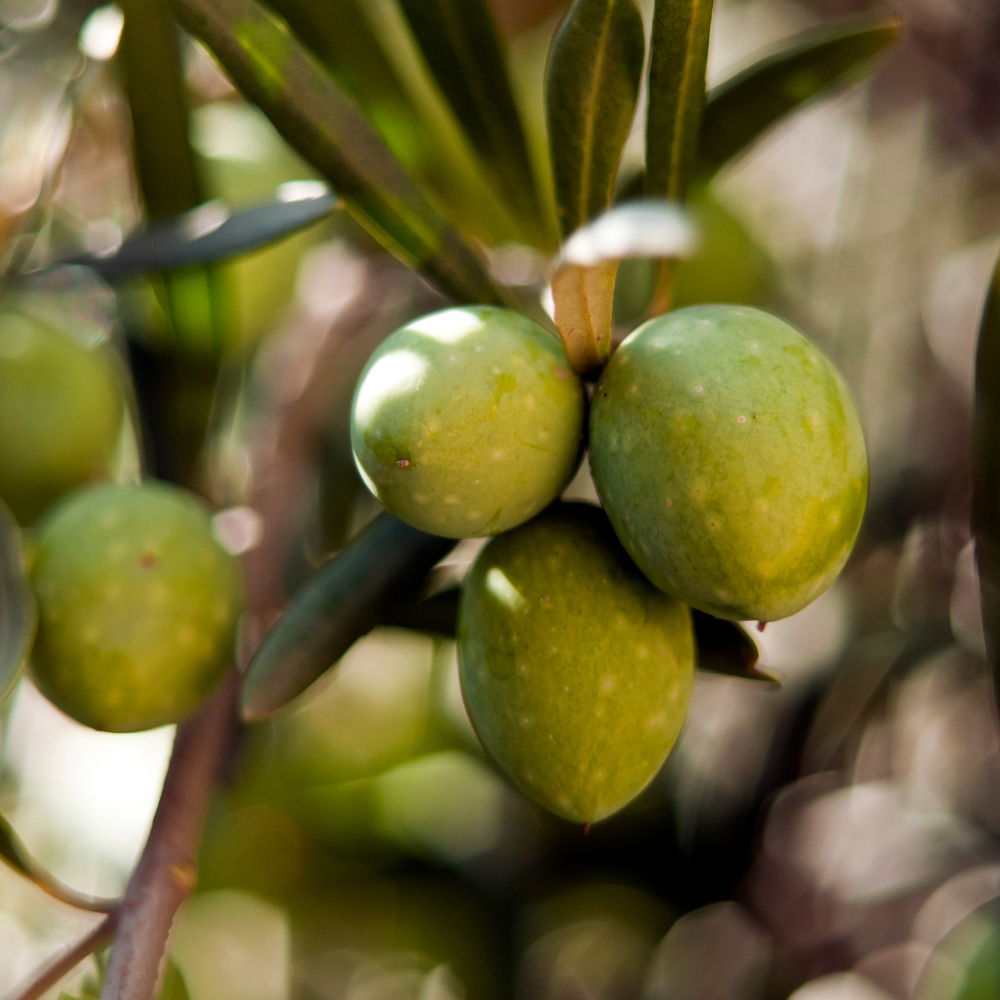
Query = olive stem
x=62 y=964
x=167 y=870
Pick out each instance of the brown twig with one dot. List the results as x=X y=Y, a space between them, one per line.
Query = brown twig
x=66 y=961
x=167 y=870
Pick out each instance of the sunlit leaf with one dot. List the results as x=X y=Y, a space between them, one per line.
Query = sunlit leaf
x=651 y=227
x=749 y=103
x=986 y=471
x=725 y=648
x=14 y=854
x=208 y=233
x=344 y=600
x=462 y=46
x=318 y=120
x=583 y=284
x=677 y=59
x=18 y=611
x=594 y=72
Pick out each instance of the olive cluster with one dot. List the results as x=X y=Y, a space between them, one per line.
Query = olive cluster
x=730 y=463
x=137 y=601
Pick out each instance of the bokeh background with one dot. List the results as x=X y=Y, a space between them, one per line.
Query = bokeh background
x=834 y=839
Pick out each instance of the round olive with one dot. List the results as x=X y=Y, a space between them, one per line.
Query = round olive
x=575 y=670
x=468 y=421
x=729 y=456
x=60 y=414
x=137 y=606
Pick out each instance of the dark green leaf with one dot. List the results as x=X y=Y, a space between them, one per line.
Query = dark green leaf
x=174 y=987
x=14 y=854
x=317 y=119
x=677 y=60
x=344 y=600
x=592 y=84
x=18 y=611
x=725 y=648
x=437 y=613
x=986 y=472
x=462 y=46
x=750 y=102
x=149 y=54
x=208 y=234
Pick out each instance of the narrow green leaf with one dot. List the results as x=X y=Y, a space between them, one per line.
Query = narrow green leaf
x=345 y=599
x=463 y=49
x=592 y=84
x=750 y=102
x=316 y=118
x=14 y=854
x=149 y=54
x=725 y=648
x=208 y=234
x=18 y=611
x=986 y=472
x=437 y=613
x=677 y=60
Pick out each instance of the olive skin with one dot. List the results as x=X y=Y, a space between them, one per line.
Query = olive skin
x=137 y=606
x=468 y=421
x=576 y=671
x=730 y=458
x=60 y=414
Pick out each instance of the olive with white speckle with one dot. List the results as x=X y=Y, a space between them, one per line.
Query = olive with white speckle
x=730 y=458
x=137 y=606
x=575 y=670
x=468 y=421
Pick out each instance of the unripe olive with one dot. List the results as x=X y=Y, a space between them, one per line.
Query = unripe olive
x=137 y=606
x=468 y=421
x=727 y=451
x=575 y=670
x=60 y=414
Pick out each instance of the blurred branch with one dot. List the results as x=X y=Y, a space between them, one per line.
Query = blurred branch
x=61 y=965
x=317 y=119
x=14 y=853
x=167 y=871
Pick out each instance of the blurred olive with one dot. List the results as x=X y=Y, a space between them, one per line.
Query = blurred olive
x=244 y=161
x=966 y=963
x=60 y=414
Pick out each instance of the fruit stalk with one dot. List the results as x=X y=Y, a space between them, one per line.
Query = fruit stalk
x=167 y=872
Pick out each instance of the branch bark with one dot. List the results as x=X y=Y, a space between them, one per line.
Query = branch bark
x=167 y=871
x=66 y=961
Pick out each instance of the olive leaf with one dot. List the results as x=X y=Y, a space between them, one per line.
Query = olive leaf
x=723 y=647
x=986 y=471
x=462 y=46
x=677 y=60
x=583 y=283
x=14 y=854
x=209 y=234
x=345 y=599
x=741 y=108
x=18 y=610
x=591 y=88
x=318 y=120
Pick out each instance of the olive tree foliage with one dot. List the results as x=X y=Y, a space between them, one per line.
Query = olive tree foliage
x=320 y=71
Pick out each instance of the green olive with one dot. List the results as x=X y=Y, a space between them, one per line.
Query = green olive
x=137 y=606
x=467 y=422
x=575 y=670
x=60 y=414
x=729 y=456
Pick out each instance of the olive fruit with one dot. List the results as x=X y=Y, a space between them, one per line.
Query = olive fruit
x=60 y=414
x=575 y=670
x=467 y=422
x=137 y=606
x=727 y=451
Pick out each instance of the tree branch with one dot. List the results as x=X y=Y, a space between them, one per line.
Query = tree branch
x=167 y=871
x=62 y=964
